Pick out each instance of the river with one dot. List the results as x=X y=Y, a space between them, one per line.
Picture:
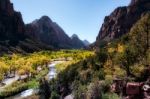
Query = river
x=51 y=74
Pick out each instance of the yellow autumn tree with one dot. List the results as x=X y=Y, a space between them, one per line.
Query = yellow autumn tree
x=3 y=67
x=111 y=50
x=3 y=70
x=120 y=48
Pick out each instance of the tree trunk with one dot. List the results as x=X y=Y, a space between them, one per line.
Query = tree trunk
x=128 y=71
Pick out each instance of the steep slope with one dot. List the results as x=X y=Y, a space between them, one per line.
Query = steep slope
x=49 y=33
x=77 y=43
x=121 y=60
x=12 y=31
x=11 y=23
x=121 y=20
x=86 y=43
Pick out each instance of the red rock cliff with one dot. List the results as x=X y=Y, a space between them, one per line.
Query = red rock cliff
x=121 y=20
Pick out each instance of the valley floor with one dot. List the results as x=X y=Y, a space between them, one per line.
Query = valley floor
x=55 y=62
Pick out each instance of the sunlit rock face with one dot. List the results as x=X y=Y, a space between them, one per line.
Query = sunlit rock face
x=121 y=20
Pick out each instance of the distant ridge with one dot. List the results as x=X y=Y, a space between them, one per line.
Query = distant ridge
x=77 y=42
x=50 y=33
x=86 y=43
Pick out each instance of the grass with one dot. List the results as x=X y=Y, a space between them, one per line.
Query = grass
x=62 y=66
x=110 y=96
x=13 y=89
x=33 y=84
x=34 y=81
x=43 y=73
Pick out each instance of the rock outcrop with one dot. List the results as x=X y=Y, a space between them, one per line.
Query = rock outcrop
x=121 y=20
x=12 y=31
x=11 y=23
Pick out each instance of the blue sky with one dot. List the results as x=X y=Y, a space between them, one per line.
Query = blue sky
x=81 y=17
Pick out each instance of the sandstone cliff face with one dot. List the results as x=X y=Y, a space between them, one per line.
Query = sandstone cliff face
x=121 y=20
x=11 y=23
x=136 y=2
x=12 y=31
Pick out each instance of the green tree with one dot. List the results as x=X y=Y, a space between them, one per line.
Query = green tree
x=54 y=95
x=94 y=91
x=139 y=34
x=126 y=59
x=44 y=89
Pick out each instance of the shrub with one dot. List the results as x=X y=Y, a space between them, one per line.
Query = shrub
x=105 y=85
x=44 y=88
x=79 y=91
x=110 y=96
x=94 y=91
x=54 y=95
x=86 y=76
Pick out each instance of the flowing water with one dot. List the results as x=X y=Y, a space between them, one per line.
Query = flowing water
x=52 y=74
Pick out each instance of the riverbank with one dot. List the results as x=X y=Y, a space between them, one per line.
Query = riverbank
x=20 y=86
x=32 y=86
x=35 y=66
x=8 y=81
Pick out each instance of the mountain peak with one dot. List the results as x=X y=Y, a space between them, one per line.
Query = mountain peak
x=74 y=36
x=45 y=19
x=77 y=42
x=86 y=42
